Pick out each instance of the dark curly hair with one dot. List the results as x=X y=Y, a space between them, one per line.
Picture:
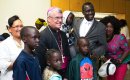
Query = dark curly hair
x=123 y=23
x=114 y=21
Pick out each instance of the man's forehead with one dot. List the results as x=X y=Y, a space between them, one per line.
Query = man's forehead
x=88 y=7
x=55 y=13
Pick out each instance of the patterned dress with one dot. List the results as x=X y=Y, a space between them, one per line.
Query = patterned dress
x=117 y=46
x=115 y=49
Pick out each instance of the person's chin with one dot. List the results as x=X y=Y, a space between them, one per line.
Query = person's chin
x=86 y=54
x=18 y=36
x=59 y=26
x=36 y=45
x=91 y=17
x=109 y=33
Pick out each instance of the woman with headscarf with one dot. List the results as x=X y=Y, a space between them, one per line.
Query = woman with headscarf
x=67 y=27
x=10 y=48
x=40 y=24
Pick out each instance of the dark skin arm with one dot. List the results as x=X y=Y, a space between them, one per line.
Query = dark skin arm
x=10 y=66
x=125 y=51
x=118 y=60
x=123 y=57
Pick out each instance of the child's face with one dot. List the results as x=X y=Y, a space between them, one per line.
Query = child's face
x=32 y=39
x=84 y=46
x=55 y=61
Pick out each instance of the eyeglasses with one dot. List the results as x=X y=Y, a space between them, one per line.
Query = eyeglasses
x=57 y=18
x=17 y=26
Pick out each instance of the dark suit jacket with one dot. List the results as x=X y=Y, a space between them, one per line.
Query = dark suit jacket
x=96 y=36
x=47 y=41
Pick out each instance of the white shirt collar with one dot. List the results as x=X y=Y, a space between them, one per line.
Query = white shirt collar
x=86 y=21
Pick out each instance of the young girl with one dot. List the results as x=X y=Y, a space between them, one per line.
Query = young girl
x=54 y=62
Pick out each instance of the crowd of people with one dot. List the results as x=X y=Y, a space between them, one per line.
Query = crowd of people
x=63 y=48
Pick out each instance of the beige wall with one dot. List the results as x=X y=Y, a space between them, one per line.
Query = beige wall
x=27 y=10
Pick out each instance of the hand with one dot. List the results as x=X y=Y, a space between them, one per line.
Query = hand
x=117 y=62
x=94 y=56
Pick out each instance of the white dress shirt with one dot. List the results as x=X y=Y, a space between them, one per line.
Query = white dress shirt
x=9 y=50
x=84 y=27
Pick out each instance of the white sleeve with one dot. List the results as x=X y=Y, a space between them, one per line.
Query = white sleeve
x=4 y=58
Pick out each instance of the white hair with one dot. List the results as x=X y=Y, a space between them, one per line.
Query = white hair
x=52 y=9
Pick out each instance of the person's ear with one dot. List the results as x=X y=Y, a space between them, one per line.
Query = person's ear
x=24 y=40
x=9 y=29
x=83 y=12
x=48 y=19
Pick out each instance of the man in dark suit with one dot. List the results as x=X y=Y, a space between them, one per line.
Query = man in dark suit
x=53 y=38
x=94 y=31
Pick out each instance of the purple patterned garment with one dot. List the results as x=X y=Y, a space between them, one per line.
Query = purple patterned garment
x=117 y=46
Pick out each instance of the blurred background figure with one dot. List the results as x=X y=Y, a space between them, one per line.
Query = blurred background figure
x=4 y=36
x=1 y=38
x=124 y=28
x=40 y=24
x=67 y=27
